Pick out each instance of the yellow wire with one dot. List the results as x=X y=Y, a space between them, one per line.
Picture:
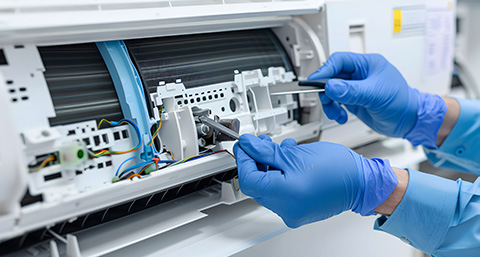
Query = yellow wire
x=101 y=121
x=184 y=160
x=156 y=132
x=234 y=184
x=159 y=125
x=105 y=152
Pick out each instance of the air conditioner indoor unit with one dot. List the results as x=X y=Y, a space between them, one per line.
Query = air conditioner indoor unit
x=102 y=99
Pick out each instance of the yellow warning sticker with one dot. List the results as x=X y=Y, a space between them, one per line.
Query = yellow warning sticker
x=397 y=21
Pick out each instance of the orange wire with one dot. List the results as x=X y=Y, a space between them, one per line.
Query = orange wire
x=134 y=175
x=155 y=136
x=156 y=132
x=100 y=153
x=46 y=161
x=144 y=168
x=156 y=161
x=171 y=154
x=231 y=154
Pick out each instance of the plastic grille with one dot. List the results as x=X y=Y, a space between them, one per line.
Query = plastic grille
x=80 y=84
x=112 y=213
x=206 y=59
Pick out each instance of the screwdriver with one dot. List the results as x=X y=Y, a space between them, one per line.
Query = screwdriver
x=302 y=87
x=219 y=127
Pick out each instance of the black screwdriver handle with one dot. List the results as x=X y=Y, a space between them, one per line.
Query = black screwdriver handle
x=320 y=83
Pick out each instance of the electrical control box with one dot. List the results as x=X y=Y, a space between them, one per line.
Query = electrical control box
x=102 y=101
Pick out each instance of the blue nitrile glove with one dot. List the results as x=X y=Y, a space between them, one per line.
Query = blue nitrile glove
x=376 y=92
x=311 y=182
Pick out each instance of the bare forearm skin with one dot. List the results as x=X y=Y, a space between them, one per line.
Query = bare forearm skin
x=387 y=207
x=450 y=119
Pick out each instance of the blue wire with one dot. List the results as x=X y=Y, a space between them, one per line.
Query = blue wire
x=134 y=167
x=116 y=173
x=195 y=158
x=116 y=123
x=139 y=135
x=167 y=161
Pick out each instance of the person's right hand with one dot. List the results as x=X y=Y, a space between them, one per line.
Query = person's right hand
x=372 y=89
x=311 y=182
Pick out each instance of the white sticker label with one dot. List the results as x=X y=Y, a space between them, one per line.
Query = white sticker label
x=440 y=36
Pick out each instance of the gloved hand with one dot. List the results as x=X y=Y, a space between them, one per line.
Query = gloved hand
x=311 y=182
x=376 y=92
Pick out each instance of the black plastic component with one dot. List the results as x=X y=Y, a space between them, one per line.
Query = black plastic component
x=116 y=135
x=456 y=81
x=205 y=59
x=96 y=140
x=105 y=138
x=320 y=83
x=30 y=199
x=52 y=176
x=3 y=59
x=125 y=134
x=232 y=105
x=80 y=84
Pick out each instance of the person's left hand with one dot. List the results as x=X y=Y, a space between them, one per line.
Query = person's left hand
x=310 y=182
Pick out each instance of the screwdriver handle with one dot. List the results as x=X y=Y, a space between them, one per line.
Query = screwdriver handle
x=320 y=83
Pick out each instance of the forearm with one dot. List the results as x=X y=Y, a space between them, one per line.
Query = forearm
x=450 y=119
x=458 y=137
x=438 y=216
x=387 y=207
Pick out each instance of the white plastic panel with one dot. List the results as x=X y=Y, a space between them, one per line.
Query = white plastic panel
x=368 y=27
x=407 y=50
x=26 y=87
x=74 y=21
x=12 y=186
x=246 y=98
